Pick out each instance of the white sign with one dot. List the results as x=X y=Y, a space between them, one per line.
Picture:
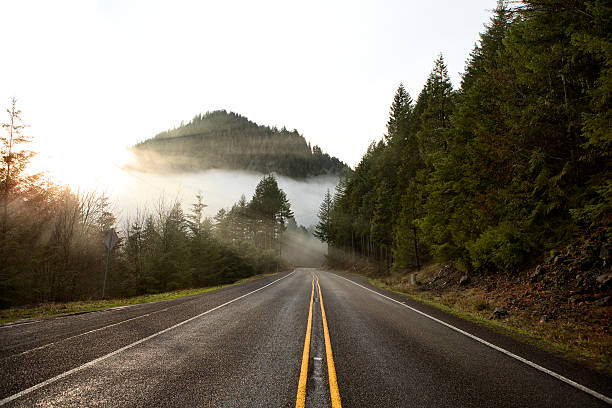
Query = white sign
x=111 y=239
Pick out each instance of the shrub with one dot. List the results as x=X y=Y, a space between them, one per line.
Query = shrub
x=499 y=247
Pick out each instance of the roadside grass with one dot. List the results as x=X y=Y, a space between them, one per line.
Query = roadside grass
x=577 y=341
x=54 y=309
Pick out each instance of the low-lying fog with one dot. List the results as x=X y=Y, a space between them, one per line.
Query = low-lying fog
x=221 y=189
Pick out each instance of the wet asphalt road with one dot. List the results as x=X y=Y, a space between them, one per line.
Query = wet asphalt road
x=248 y=352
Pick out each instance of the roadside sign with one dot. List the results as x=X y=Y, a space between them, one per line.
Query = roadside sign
x=111 y=239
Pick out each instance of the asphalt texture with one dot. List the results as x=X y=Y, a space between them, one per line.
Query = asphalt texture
x=238 y=348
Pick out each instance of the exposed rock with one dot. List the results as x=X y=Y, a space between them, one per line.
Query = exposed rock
x=579 y=291
x=558 y=259
x=464 y=280
x=606 y=301
x=536 y=273
x=604 y=279
x=500 y=311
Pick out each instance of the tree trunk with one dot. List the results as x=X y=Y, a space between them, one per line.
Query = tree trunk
x=416 y=247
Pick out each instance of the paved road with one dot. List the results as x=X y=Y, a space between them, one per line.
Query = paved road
x=244 y=346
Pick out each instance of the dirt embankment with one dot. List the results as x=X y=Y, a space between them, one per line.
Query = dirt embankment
x=563 y=304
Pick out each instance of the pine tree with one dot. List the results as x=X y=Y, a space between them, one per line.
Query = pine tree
x=323 y=227
x=399 y=117
x=270 y=202
x=13 y=162
x=221 y=225
x=439 y=106
x=270 y=207
x=196 y=220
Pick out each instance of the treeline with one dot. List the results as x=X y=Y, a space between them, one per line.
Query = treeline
x=494 y=174
x=167 y=249
x=266 y=224
x=52 y=239
x=229 y=141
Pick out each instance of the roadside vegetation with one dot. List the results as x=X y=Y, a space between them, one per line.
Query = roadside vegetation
x=54 y=309
x=506 y=180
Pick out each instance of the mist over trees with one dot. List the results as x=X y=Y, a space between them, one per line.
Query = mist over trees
x=266 y=224
x=492 y=175
x=167 y=249
x=51 y=247
x=229 y=141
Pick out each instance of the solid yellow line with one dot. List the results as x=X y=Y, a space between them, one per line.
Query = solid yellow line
x=301 y=392
x=334 y=392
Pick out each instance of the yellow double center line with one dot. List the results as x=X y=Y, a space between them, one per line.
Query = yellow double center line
x=331 y=368
x=301 y=393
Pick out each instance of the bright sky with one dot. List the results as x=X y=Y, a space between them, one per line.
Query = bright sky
x=97 y=76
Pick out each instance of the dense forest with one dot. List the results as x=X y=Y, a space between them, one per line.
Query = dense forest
x=495 y=174
x=229 y=141
x=52 y=239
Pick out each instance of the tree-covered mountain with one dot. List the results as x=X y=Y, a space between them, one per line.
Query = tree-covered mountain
x=230 y=141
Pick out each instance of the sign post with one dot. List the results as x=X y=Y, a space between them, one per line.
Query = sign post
x=110 y=241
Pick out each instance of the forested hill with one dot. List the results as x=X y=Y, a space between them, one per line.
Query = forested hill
x=504 y=171
x=230 y=141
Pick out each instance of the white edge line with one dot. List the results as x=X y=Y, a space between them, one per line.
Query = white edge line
x=80 y=334
x=493 y=346
x=16 y=324
x=93 y=330
x=97 y=360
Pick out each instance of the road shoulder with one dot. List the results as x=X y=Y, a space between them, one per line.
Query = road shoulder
x=515 y=343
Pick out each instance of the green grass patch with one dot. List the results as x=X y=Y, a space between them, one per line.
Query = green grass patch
x=433 y=303
x=46 y=310
x=481 y=305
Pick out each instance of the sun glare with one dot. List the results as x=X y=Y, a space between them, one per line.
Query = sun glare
x=83 y=169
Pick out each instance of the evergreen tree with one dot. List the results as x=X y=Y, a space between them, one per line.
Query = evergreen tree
x=13 y=163
x=323 y=227
x=438 y=107
x=196 y=222
x=270 y=208
x=269 y=202
x=399 y=117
